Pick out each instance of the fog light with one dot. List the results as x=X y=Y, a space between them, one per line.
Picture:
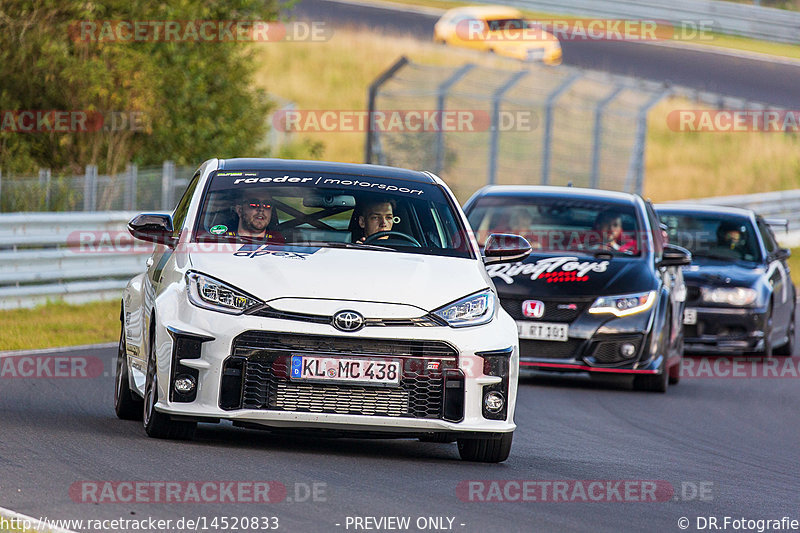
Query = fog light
x=493 y=402
x=184 y=384
x=627 y=349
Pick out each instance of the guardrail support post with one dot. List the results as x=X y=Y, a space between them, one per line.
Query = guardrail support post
x=634 y=180
x=372 y=94
x=45 y=175
x=598 y=131
x=441 y=93
x=131 y=178
x=167 y=179
x=1 y=190
x=549 y=104
x=494 y=140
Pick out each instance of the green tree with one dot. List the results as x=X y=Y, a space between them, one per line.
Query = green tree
x=197 y=98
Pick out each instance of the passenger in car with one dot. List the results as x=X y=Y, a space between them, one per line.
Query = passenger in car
x=254 y=209
x=609 y=225
x=730 y=238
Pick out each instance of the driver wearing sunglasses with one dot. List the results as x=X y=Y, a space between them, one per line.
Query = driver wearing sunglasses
x=255 y=214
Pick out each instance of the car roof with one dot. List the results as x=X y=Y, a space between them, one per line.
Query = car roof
x=705 y=209
x=555 y=192
x=325 y=167
x=487 y=11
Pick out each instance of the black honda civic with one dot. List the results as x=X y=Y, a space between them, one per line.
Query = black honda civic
x=740 y=296
x=600 y=293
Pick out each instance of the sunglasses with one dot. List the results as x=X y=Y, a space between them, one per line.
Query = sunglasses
x=256 y=205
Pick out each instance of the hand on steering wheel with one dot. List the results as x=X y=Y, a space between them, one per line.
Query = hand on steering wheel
x=377 y=235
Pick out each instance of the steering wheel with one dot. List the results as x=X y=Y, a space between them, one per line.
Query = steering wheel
x=378 y=234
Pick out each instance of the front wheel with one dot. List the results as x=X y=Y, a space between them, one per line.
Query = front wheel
x=788 y=348
x=653 y=382
x=159 y=425
x=494 y=449
x=126 y=405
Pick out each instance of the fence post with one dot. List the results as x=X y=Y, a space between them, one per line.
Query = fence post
x=1 y=190
x=45 y=175
x=598 y=132
x=548 y=124
x=131 y=179
x=372 y=94
x=167 y=179
x=90 y=188
x=634 y=180
x=494 y=140
x=441 y=92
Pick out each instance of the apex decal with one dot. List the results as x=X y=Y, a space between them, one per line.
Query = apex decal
x=551 y=269
x=254 y=250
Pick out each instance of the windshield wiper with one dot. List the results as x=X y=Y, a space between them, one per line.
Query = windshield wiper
x=336 y=244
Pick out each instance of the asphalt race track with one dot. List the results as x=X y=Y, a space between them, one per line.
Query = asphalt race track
x=724 y=446
x=774 y=83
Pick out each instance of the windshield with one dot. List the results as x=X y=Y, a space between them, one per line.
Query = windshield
x=713 y=235
x=560 y=224
x=507 y=24
x=331 y=210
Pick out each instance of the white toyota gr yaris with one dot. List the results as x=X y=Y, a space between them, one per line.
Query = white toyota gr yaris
x=350 y=299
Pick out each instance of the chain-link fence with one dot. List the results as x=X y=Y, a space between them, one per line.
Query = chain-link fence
x=137 y=189
x=535 y=125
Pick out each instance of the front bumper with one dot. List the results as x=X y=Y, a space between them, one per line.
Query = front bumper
x=251 y=340
x=725 y=330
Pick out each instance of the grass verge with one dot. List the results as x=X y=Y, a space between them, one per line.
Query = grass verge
x=59 y=324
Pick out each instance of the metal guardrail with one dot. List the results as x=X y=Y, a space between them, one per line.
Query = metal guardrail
x=74 y=257
x=758 y=22
x=79 y=257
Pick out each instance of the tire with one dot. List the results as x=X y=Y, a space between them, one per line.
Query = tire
x=489 y=450
x=787 y=350
x=158 y=425
x=127 y=404
x=675 y=374
x=654 y=382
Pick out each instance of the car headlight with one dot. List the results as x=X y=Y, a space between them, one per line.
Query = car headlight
x=729 y=295
x=625 y=304
x=210 y=293
x=473 y=310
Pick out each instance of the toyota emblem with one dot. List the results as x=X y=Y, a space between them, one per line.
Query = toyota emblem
x=348 y=321
x=533 y=308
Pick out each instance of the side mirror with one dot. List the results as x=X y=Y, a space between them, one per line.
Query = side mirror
x=782 y=254
x=675 y=256
x=504 y=248
x=152 y=227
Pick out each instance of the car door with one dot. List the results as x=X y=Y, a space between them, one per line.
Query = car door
x=778 y=272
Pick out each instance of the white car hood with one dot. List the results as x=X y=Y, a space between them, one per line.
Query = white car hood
x=286 y=277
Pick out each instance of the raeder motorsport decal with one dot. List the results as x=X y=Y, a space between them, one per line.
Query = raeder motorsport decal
x=551 y=269
x=219 y=229
x=289 y=252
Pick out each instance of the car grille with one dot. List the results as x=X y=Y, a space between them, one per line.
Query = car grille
x=549 y=349
x=266 y=383
x=552 y=313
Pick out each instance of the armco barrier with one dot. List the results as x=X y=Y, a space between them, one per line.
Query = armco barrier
x=758 y=22
x=79 y=257
x=73 y=257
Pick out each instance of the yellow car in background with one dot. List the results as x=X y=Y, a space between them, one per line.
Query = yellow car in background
x=500 y=30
